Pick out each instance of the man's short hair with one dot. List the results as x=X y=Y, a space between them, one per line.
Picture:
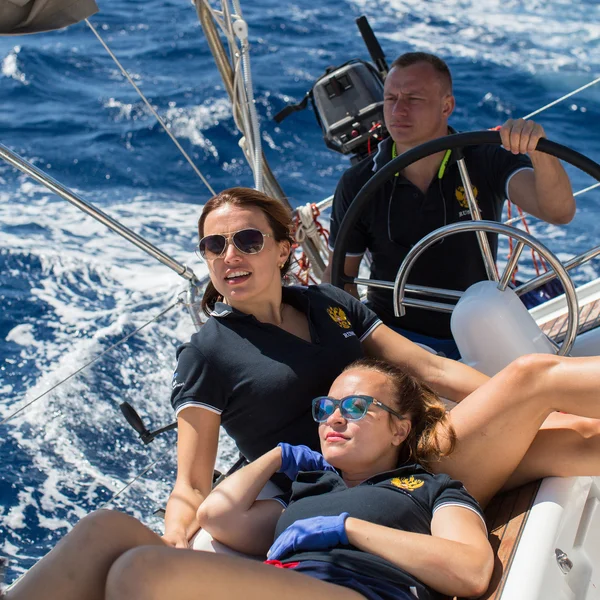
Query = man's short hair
x=412 y=58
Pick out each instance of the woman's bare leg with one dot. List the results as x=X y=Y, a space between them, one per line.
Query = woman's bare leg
x=77 y=567
x=565 y=446
x=497 y=423
x=153 y=573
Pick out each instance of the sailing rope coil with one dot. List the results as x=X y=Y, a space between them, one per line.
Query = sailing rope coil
x=307 y=225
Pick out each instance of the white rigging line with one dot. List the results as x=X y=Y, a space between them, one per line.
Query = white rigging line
x=121 y=341
x=587 y=189
x=583 y=87
x=151 y=108
x=546 y=107
x=542 y=109
x=140 y=474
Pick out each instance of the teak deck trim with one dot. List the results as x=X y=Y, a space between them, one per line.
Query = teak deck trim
x=506 y=517
x=589 y=318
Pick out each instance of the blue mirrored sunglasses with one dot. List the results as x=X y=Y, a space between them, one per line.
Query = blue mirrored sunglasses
x=352 y=408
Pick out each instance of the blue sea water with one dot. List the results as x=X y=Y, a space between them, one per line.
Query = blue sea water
x=69 y=288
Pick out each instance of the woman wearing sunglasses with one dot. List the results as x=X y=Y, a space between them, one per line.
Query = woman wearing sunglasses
x=266 y=349
x=364 y=519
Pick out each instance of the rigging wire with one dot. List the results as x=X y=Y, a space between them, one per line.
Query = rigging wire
x=86 y=365
x=151 y=108
x=587 y=189
x=583 y=87
x=140 y=474
x=521 y=217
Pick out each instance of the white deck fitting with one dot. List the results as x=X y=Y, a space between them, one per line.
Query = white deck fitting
x=565 y=515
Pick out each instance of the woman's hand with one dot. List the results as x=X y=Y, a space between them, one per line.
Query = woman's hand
x=316 y=533
x=301 y=458
x=176 y=539
x=197 y=441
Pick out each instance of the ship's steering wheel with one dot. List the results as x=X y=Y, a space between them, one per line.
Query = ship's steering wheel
x=453 y=142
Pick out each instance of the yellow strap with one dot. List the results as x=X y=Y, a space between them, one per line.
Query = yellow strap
x=442 y=168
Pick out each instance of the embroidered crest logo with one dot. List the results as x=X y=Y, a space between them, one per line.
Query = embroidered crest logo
x=339 y=316
x=461 y=198
x=407 y=483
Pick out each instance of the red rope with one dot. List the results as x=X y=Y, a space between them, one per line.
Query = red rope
x=534 y=255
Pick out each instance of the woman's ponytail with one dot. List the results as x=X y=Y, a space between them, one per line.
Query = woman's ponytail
x=209 y=298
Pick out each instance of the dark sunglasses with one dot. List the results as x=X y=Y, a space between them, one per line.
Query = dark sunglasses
x=352 y=408
x=248 y=241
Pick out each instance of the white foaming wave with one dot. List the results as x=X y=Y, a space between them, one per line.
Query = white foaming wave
x=550 y=36
x=298 y=74
x=115 y=75
x=49 y=434
x=10 y=66
x=22 y=335
x=125 y=109
x=184 y=122
x=15 y=517
x=71 y=475
x=65 y=234
x=188 y=123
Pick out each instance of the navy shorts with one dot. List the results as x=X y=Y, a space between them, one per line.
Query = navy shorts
x=371 y=588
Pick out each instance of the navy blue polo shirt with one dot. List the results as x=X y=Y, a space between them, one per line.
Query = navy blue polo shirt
x=260 y=378
x=399 y=215
x=404 y=499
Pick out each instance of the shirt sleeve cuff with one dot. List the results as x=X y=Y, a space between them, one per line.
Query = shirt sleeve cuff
x=511 y=176
x=195 y=404
x=370 y=330
x=461 y=505
x=280 y=500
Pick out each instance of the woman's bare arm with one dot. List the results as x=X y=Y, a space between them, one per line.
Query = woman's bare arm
x=231 y=513
x=197 y=443
x=449 y=378
x=456 y=559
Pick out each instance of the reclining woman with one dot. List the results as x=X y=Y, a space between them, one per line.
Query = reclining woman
x=364 y=519
x=267 y=349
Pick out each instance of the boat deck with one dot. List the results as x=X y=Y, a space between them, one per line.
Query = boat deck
x=589 y=318
x=506 y=517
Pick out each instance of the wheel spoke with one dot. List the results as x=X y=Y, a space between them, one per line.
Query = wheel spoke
x=554 y=344
x=484 y=243
x=549 y=275
x=417 y=290
x=511 y=266
x=374 y=283
x=428 y=304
